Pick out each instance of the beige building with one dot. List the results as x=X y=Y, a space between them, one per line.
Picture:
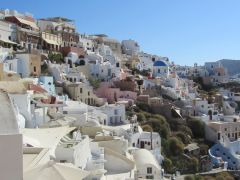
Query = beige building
x=8 y=76
x=130 y=61
x=82 y=92
x=217 y=129
x=51 y=41
x=30 y=65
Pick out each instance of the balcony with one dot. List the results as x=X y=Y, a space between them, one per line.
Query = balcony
x=29 y=31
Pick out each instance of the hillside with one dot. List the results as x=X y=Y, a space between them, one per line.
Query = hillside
x=232 y=66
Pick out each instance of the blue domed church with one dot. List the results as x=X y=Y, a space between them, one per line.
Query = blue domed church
x=160 y=69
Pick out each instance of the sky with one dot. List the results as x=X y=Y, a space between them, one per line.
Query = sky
x=186 y=31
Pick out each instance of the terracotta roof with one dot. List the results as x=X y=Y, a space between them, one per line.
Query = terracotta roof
x=37 y=88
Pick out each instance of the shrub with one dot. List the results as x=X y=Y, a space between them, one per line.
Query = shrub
x=186 y=130
x=183 y=137
x=144 y=107
x=147 y=128
x=167 y=165
x=58 y=57
x=95 y=83
x=197 y=127
x=175 y=146
x=189 y=177
x=141 y=117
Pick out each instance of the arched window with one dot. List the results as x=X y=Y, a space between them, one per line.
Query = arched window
x=82 y=62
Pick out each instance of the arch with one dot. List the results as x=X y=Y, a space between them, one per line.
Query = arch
x=81 y=62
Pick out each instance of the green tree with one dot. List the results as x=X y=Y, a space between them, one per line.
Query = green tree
x=186 y=130
x=197 y=127
x=58 y=57
x=167 y=165
x=194 y=164
x=183 y=137
x=175 y=146
x=95 y=83
x=160 y=126
x=141 y=117
x=147 y=128
x=144 y=107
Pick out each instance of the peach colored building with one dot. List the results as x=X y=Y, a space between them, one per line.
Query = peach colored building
x=113 y=94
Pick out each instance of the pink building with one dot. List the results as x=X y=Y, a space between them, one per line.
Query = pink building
x=112 y=94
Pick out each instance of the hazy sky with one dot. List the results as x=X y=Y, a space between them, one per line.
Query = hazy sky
x=186 y=31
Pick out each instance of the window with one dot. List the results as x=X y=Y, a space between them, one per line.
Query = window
x=149 y=170
x=111 y=120
x=225 y=129
x=88 y=93
x=10 y=67
x=115 y=111
x=34 y=69
x=149 y=177
x=159 y=70
x=81 y=90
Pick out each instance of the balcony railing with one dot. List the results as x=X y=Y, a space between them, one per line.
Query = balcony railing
x=36 y=33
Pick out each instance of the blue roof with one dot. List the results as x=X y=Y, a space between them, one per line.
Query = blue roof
x=159 y=63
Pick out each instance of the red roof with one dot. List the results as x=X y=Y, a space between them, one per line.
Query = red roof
x=37 y=88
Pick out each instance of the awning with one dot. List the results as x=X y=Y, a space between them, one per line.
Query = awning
x=30 y=23
x=7 y=41
x=49 y=41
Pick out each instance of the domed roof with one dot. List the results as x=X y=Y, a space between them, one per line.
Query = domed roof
x=159 y=63
x=92 y=123
x=72 y=54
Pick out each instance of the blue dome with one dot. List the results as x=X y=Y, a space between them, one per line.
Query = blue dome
x=159 y=63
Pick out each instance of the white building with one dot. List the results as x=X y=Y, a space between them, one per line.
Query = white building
x=130 y=47
x=201 y=106
x=160 y=69
x=75 y=150
x=21 y=99
x=11 y=141
x=146 y=165
x=28 y=65
x=105 y=70
x=115 y=114
x=146 y=61
x=86 y=43
x=8 y=33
